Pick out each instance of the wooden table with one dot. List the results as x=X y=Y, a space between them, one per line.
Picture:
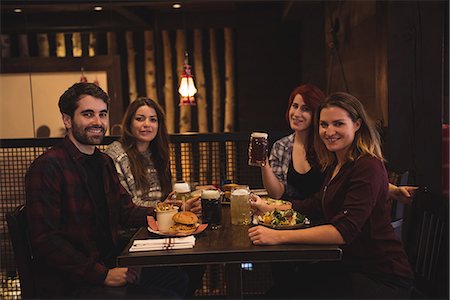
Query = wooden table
x=229 y=244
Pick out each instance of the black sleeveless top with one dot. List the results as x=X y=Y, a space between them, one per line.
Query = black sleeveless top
x=305 y=185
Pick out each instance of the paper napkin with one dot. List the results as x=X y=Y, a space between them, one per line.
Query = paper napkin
x=163 y=244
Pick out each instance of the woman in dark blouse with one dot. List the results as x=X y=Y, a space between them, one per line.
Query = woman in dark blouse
x=354 y=202
x=291 y=171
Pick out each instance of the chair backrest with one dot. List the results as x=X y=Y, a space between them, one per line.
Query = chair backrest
x=18 y=232
x=427 y=244
x=398 y=209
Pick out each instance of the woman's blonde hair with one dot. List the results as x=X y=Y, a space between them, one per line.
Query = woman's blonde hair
x=367 y=139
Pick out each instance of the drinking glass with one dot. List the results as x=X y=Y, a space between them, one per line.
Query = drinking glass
x=240 y=206
x=211 y=208
x=182 y=192
x=257 y=149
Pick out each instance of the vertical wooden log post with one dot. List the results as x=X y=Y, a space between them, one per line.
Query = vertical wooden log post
x=111 y=41
x=5 y=45
x=131 y=56
x=76 y=45
x=202 y=105
x=199 y=77
x=381 y=62
x=92 y=44
x=24 y=50
x=60 y=45
x=216 y=113
x=229 y=81
x=150 y=68
x=43 y=46
x=229 y=102
x=168 y=83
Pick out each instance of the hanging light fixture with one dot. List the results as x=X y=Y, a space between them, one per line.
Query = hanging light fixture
x=187 y=87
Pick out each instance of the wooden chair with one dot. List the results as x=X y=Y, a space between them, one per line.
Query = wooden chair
x=426 y=243
x=18 y=232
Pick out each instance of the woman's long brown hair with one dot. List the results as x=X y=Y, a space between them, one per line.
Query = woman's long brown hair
x=159 y=147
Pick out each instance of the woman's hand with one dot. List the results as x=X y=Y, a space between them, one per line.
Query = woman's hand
x=258 y=205
x=194 y=205
x=402 y=194
x=260 y=235
x=172 y=199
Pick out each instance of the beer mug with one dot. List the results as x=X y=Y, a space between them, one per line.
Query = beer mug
x=240 y=206
x=257 y=149
x=211 y=209
x=182 y=192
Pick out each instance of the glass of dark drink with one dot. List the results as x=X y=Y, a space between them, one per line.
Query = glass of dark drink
x=257 y=149
x=211 y=209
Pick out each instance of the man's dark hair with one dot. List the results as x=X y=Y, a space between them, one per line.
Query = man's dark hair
x=68 y=102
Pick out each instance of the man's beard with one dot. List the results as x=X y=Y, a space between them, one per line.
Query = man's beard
x=81 y=135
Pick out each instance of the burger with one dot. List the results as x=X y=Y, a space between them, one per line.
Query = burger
x=186 y=222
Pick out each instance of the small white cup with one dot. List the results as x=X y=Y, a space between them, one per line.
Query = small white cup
x=164 y=219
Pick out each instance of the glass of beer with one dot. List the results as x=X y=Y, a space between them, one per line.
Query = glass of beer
x=240 y=206
x=257 y=149
x=182 y=192
x=211 y=209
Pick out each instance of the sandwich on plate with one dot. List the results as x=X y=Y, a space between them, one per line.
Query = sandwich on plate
x=186 y=222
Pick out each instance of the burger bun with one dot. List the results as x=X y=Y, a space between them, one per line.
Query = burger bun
x=185 y=218
x=186 y=222
x=183 y=229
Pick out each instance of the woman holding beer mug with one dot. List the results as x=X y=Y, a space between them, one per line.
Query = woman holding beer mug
x=354 y=202
x=291 y=172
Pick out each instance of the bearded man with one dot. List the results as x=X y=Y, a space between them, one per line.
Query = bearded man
x=75 y=205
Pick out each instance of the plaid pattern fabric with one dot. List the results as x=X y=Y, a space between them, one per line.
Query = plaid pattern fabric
x=62 y=218
x=279 y=159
